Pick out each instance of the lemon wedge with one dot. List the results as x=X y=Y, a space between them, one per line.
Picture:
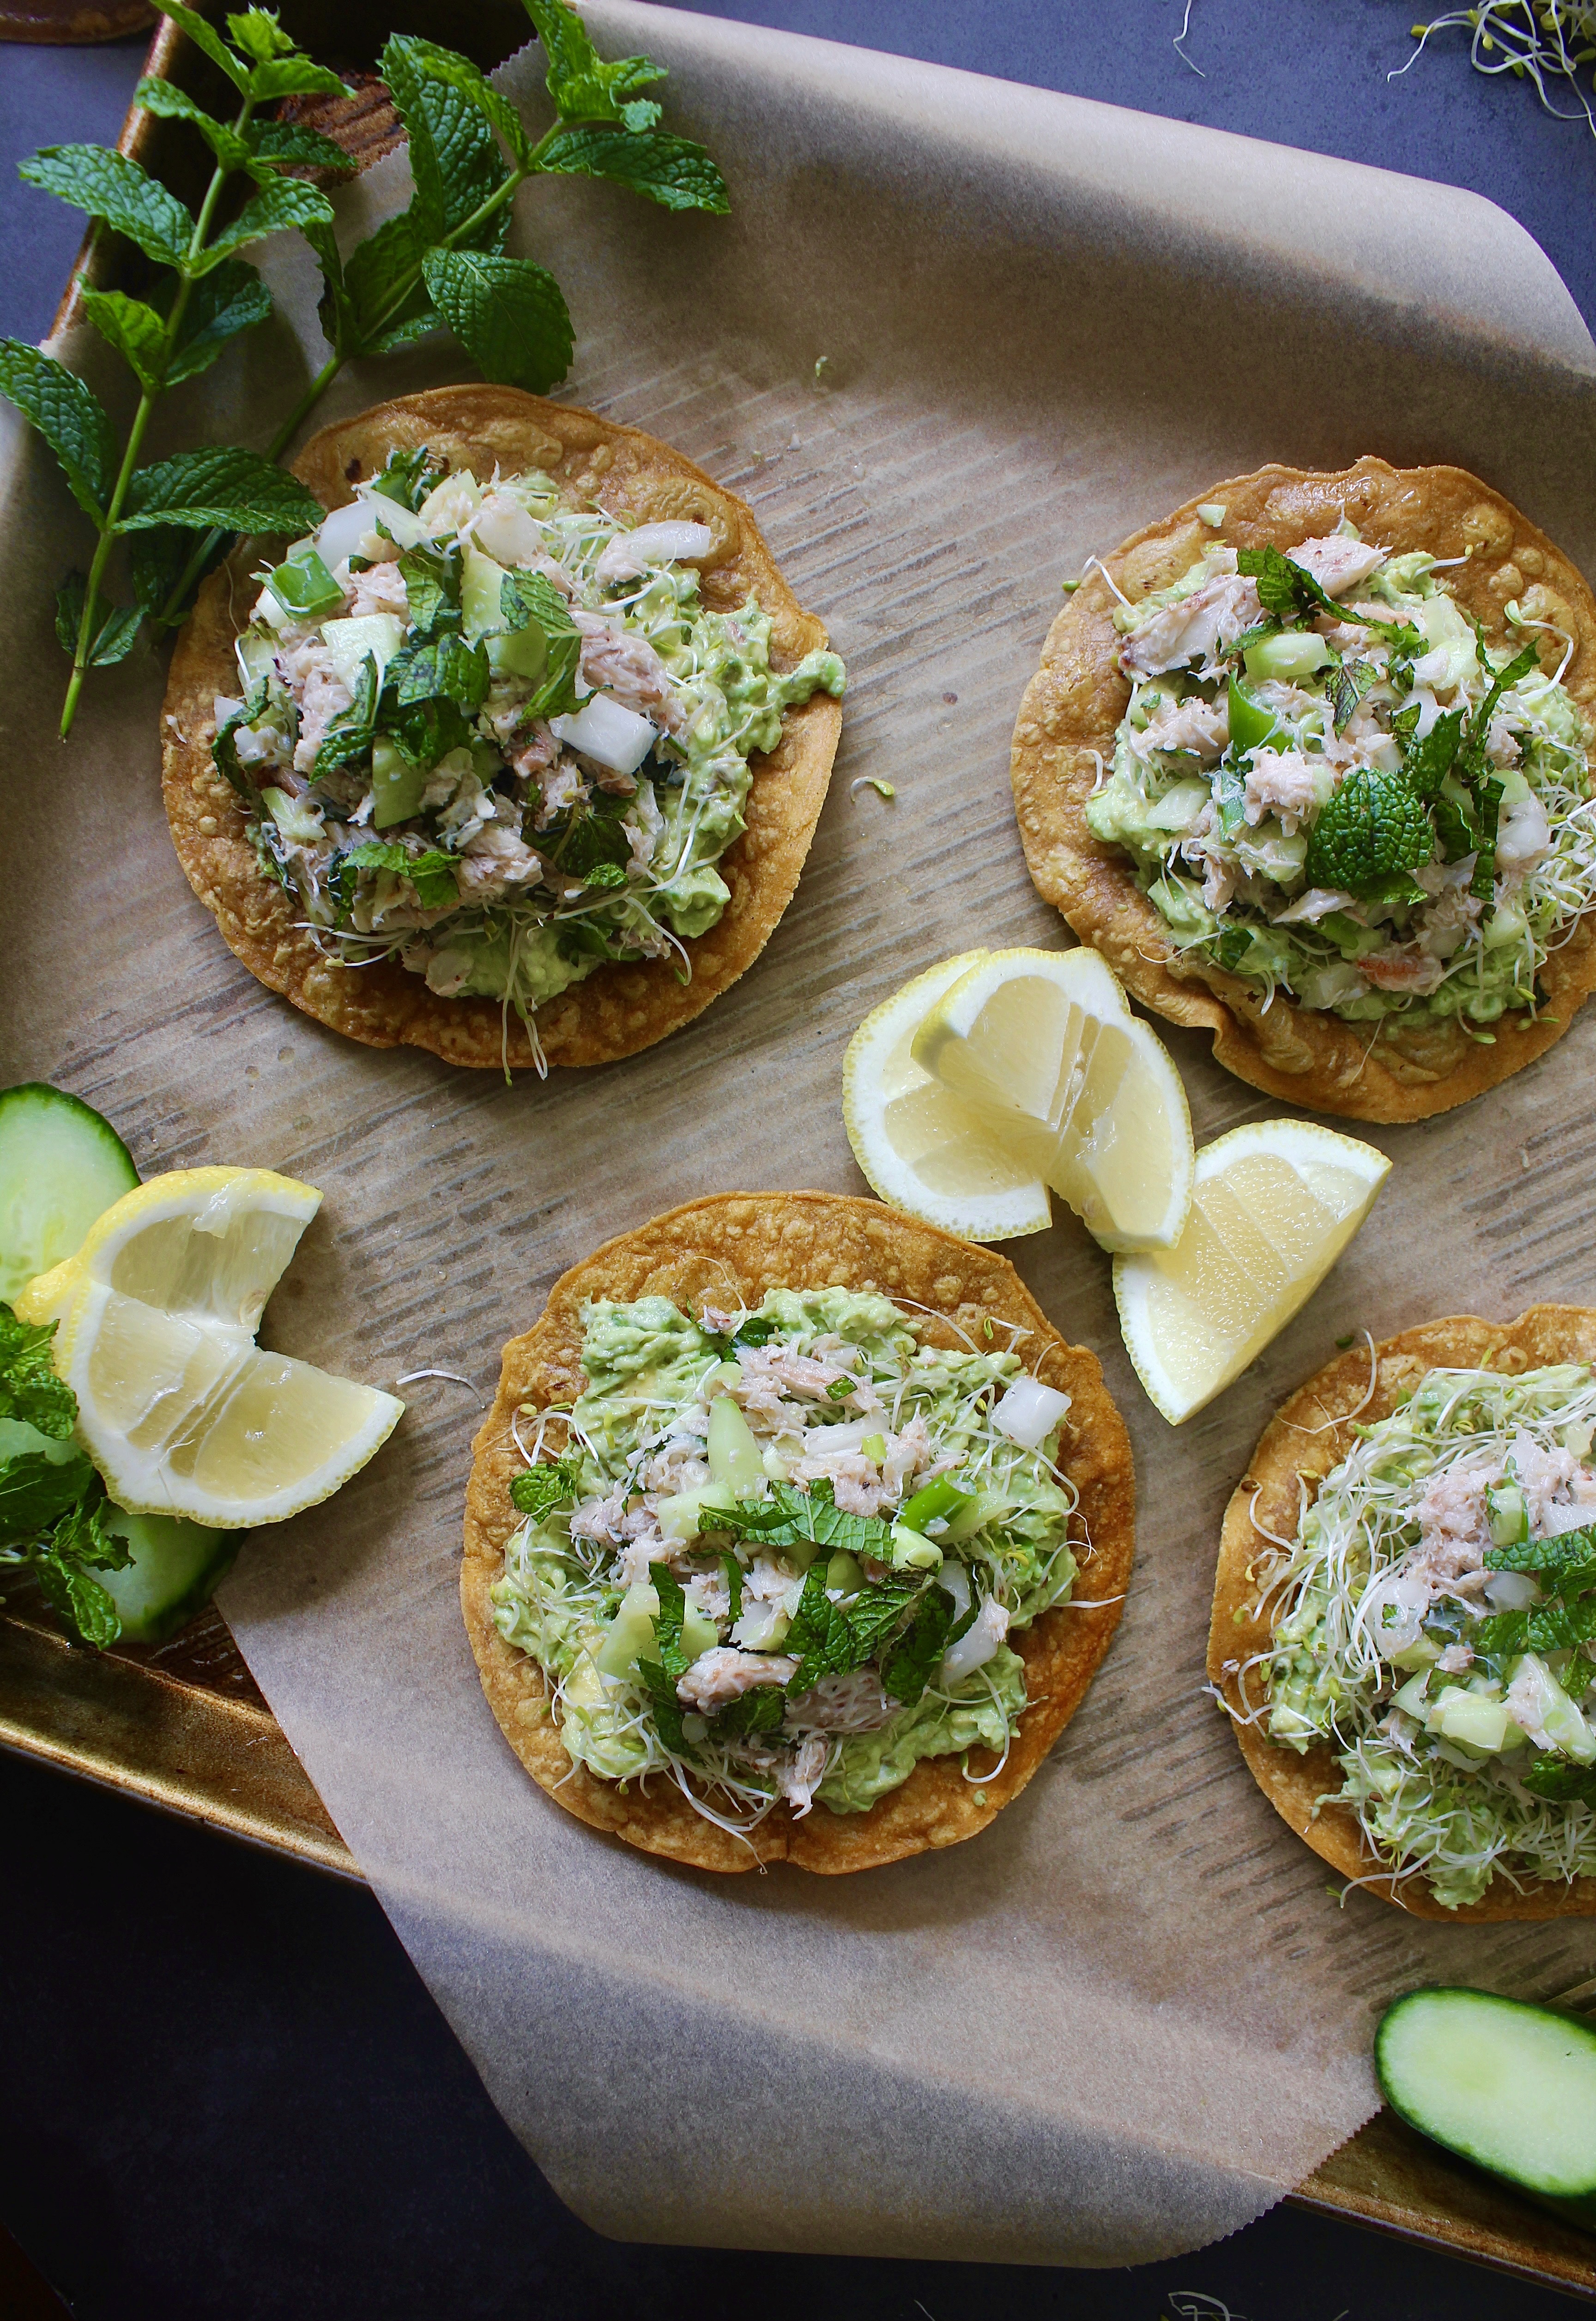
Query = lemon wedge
x=180 y=1409
x=1274 y=1204
x=1041 y=1048
x=921 y=1148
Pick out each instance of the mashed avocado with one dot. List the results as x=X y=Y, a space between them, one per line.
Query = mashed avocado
x=781 y=1551
x=497 y=739
x=1330 y=785
x=1436 y=1624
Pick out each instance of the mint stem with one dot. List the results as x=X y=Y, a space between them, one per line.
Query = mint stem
x=172 y=612
x=89 y=623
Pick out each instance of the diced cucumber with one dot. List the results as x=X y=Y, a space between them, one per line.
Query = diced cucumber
x=176 y=1569
x=396 y=784
x=733 y=1455
x=1509 y=2085
x=61 y=1166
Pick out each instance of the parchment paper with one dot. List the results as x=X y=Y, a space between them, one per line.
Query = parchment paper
x=1133 y=2014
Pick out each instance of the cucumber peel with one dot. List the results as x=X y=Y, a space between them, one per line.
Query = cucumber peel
x=1509 y=2085
x=61 y=1166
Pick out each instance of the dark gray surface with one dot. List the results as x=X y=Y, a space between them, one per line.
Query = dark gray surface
x=225 y=2090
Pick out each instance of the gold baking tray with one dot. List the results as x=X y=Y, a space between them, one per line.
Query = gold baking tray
x=183 y=1725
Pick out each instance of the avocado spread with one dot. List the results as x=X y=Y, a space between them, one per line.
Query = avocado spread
x=497 y=739
x=1436 y=1625
x=1331 y=785
x=779 y=1553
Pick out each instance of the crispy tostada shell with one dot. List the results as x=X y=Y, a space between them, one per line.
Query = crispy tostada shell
x=740 y=1245
x=620 y=1007
x=1072 y=706
x=1309 y=1436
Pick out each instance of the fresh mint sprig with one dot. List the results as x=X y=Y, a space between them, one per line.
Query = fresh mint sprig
x=212 y=297
x=53 y=1507
x=439 y=266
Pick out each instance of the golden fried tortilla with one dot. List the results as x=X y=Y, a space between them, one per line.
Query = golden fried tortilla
x=1309 y=1437
x=728 y=1250
x=619 y=1008
x=1073 y=705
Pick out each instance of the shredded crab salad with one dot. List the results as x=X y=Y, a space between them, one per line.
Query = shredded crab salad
x=780 y=1552
x=1435 y=1621
x=1331 y=786
x=498 y=739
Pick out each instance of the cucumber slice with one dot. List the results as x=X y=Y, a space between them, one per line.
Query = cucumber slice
x=1510 y=2086
x=175 y=1567
x=61 y=1166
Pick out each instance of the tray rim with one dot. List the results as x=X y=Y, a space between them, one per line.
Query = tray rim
x=1496 y=2248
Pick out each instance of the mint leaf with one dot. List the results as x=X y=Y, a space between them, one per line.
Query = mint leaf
x=408 y=478
x=530 y=599
x=81 y=1602
x=281 y=203
x=1373 y=830
x=819 y=1635
x=1563 y=1627
x=671 y=171
x=294 y=77
x=290 y=144
x=84 y=1534
x=1563 y=1560
x=136 y=331
x=595 y=843
x=444 y=668
x=760 y=1710
x=1279 y=583
x=509 y=315
x=790 y=1515
x=384 y=298
x=541 y=1490
x=459 y=73
x=1346 y=686
x=432 y=577
x=876 y=1611
x=117 y=627
x=453 y=159
x=35 y=1490
x=70 y=418
x=582 y=85
x=1428 y=763
x=30 y=1389
x=432 y=874
x=668 y=1620
x=734 y=1572
x=660 y=1688
x=1559 y=1782
x=1488 y=800
x=258 y=36
x=349 y=735
x=209 y=40
x=908 y=1668
x=174 y=104
x=229 y=299
x=109 y=185
x=225 y=486
x=425 y=731
x=225 y=748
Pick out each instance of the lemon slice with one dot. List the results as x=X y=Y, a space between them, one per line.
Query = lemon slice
x=1044 y=1051
x=1274 y=1204
x=180 y=1409
x=920 y=1147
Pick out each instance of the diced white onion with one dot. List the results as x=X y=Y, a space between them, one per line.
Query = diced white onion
x=978 y=1645
x=1511 y=1591
x=611 y=735
x=341 y=534
x=632 y=552
x=849 y=1436
x=1029 y=1412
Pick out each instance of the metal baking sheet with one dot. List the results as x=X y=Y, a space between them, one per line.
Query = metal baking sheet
x=185 y=1728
